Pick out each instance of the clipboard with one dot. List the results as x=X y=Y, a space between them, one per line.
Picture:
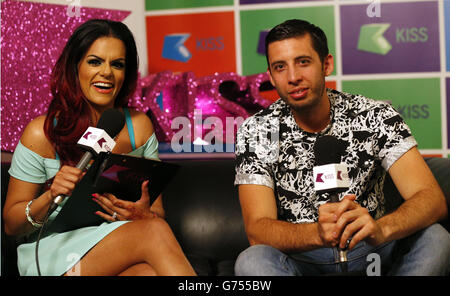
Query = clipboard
x=121 y=175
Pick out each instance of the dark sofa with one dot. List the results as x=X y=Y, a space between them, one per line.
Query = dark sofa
x=202 y=207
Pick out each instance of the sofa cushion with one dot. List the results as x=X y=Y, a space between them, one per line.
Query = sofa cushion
x=202 y=207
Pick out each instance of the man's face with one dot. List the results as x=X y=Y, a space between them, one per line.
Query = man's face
x=297 y=72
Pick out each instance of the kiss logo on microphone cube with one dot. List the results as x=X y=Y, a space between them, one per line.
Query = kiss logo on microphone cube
x=331 y=177
x=404 y=38
x=96 y=140
x=203 y=43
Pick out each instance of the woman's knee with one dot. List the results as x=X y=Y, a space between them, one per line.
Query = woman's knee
x=155 y=229
x=143 y=232
x=140 y=269
x=156 y=225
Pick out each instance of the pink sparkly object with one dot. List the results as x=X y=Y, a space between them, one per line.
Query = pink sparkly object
x=33 y=36
x=222 y=95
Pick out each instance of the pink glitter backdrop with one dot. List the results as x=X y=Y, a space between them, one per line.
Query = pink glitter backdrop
x=33 y=35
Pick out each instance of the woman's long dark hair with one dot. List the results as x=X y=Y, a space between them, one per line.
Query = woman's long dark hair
x=69 y=115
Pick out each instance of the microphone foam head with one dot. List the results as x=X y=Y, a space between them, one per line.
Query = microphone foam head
x=328 y=149
x=112 y=122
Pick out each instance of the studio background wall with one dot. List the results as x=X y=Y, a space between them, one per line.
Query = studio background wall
x=398 y=51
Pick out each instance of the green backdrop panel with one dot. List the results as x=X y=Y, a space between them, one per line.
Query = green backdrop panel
x=417 y=100
x=171 y=4
x=253 y=22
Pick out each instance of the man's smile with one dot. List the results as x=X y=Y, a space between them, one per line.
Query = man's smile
x=299 y=93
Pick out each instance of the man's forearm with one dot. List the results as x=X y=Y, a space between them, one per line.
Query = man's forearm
x=285 y=236
x=423 y=209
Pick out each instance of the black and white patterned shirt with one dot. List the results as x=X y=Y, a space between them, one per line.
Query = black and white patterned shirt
x=272 y=150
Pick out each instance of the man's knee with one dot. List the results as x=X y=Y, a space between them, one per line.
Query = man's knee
x=439 y=241
x=256 y=260
x=436 y=232
x=430 y=249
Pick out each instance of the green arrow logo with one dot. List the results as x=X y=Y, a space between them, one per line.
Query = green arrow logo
x=371 y=39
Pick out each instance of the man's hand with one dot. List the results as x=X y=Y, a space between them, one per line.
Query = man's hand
x=327 y=224
x=354 y=223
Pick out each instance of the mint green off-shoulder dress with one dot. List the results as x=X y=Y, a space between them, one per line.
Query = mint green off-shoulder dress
x=59 y=252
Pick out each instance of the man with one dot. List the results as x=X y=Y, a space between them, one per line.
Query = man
x=293 y=230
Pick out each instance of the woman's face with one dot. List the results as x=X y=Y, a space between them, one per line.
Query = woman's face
x=101 y=72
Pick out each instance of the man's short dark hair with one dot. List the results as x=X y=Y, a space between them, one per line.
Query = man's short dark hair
x=297 y=28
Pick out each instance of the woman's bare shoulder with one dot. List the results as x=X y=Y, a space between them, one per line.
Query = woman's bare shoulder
x=34 y=138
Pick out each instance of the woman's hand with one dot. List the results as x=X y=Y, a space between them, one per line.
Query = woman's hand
x=65 y=181
x=120 y=210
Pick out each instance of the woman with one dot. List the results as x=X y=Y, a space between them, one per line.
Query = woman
x=97 y=70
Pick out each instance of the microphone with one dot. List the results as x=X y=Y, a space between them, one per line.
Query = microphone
x=330 y=175
x=97 y=139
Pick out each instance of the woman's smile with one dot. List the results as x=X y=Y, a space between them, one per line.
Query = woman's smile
x=102 y=71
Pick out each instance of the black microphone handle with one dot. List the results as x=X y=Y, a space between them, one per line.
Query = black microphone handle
x=334 y=197
x=342 y=252
x=84 y=161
